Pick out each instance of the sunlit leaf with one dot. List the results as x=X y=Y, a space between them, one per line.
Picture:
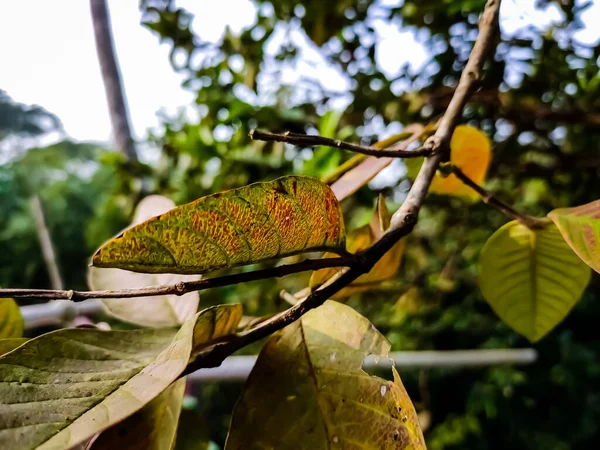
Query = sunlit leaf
x=531 y=278
x=361 y=239
x=260 y=221
x=308 y=390
x=580 y=227
x=11 y=321
x=157 y=311
x=154 y=427
x=62 y=388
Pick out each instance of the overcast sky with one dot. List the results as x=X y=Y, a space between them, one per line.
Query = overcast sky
x=48 y=55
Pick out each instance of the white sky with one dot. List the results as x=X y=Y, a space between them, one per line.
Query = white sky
x=48 y=56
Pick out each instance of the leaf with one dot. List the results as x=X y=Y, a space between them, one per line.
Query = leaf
x=157 y=311
x=257 y=222
x=9 y=344
x=580 y=227
x=154 y=427
x=531 y=278
x=325 y=159
x=11 y=321
x=368 y=167
x=471 y=152
x=62 y=388
x=308 y=391
x=361 y=239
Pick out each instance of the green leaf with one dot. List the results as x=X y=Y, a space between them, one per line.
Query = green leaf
x=157 y=311
x=62 y=388
x=257 y=222
x=154 y=427
x=11 y=321
x=531 y=278
x=308 y=391
x=580 y=227
x=7 y=345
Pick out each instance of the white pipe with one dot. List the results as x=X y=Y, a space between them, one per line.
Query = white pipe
x=237 y=368
x=57 y=312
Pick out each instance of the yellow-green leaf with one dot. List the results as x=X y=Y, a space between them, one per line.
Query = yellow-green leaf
x=157 y=311
x=308 y=390
x=580 y=227
x=154 y=427
x=531 y=278
x=9 y=344
x=257 y=222
x=62 y=388
x=361 y=239
x=11 y=321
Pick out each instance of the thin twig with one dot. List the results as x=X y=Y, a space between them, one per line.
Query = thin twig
x=183 y=287
x=490 y=199
x=403 y=221
x=307 y=140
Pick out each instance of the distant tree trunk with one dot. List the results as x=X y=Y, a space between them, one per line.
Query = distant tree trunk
x=112 y=79
x=46 y=243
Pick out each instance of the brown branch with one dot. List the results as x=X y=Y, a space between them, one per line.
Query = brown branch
x=184 y=287
x=505 y=208
x=46 y=243
x=307 y=140
x=403 y=221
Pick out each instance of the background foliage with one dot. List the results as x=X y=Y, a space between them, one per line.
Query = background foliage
x=539 y=103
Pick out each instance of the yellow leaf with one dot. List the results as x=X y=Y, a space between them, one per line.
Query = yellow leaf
x=359 y=240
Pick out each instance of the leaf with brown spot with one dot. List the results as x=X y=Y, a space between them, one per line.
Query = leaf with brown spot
x=359 y=240
x=242 y=226
x=308 y=390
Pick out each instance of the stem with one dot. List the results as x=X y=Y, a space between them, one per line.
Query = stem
x=307 y=140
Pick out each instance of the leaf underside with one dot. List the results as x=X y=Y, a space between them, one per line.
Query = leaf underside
x=308 y=391
x=531 y=278
x=257 y=222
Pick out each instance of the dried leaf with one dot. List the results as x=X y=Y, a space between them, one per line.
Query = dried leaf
x=361 y=239
x=580 y=227
x=261 y=221
x=308 y=390
x=157 y=311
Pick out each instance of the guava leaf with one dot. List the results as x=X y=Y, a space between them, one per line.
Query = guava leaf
x=63 y=387
x=531 y=278
x=361 y=239
x=580 y=227
x=308 y=390
x=9 y=344
x=257 y=222
x=11 y=321
x=157 y=311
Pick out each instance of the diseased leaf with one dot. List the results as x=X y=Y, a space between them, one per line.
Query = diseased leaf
x=61 y=388
x=11 y=321
x=580 y=227
x=9 y=344
x=531 y=278
x=154 y=427
x=157 y=311
x=308 y=391
x=361 y=239
x=257 y=222
x=366 y=168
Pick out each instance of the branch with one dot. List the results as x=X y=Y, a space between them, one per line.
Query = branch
x=403 y=221
x=489 y=198
x=46 y=243
x=307 y=140
x=183 y=287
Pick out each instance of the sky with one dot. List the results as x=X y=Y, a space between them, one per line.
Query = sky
x=49 y=58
